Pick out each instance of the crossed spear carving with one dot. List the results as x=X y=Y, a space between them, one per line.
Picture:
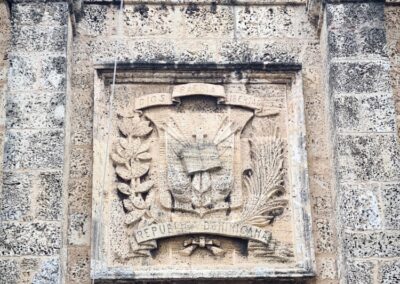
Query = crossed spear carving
x=202 y=242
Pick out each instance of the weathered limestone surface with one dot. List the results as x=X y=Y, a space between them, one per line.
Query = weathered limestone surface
x=31 y=207
x=349 y=59
x=191 y=177
x=392 y=21
x=204 y=34
x=366 y=146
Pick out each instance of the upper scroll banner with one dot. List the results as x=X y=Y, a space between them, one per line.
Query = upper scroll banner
x=217 y=91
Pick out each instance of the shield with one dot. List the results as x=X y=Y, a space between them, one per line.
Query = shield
x=198 y=169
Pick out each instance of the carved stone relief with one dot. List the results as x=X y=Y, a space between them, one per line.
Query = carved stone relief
x=200 y=175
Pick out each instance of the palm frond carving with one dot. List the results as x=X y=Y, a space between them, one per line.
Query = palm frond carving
x=264 y=183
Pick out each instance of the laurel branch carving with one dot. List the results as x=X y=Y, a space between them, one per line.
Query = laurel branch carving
x=132 y=162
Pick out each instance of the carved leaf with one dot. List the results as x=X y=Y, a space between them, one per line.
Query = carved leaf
x=123 y=173
x=144 y=156
x=124 y=188
x=144 y=186
x=138 y=201
x=118 y=159
x=124 y=126
x=121 y=151
x=141 y=129
x=132 y=147
x=144 y=147
x=133 y=216
x=128 y=205
x=135 y=145
x=149 y=202
x=139 y=169
x=124 y=143
x=259 y=221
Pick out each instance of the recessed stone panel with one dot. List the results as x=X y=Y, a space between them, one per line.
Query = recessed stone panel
x=200 y=173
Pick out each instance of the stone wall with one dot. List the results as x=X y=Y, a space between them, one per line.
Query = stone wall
x=366 y=148
x=4 y=66
x=201 y=33
x=31 y=214
x=392 y=22
x=45 y=201
x=390 y=269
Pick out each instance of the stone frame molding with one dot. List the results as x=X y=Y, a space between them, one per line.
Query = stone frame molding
x=304 y=266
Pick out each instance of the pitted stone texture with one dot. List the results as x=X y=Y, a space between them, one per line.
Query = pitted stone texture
x=9 y=271
x=359 y=272
x=34 y=39
x=236 y=51
x=391 y=204
x=273 y=21
x=29 y=239
x=51 y=13
x=311 y=56
x=82 y=137
x=392 y=19
x=78 y=265
x=365 y=42
x=317 y=139
x=363 y=158
x=22 y=74
x=276 y=52
x=360 y=77
x=144 y=51
x=82 y=81
x=16 y=196
x=81 y=162
x=324 y=239
x=191 y=51
x=322 y=204
x=83 y=48
x=79 y=229
x=327 y=268
x=213 y=21
x=82 y=124
x=365 y=113
x=49 y=272
x=355 y=15
x=49 y=200
x=32 y=110
x=392 y=22
x=53 y=73
x=79 y=195
x=29 y=267
x=359 y=207
x=389 y=272
x=96 y=20
x=151 y=20
x=372 y=244
x=321 y=195
x=32 y=149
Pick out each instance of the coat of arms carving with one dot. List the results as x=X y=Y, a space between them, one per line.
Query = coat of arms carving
x=202 y=176
x=200 y=171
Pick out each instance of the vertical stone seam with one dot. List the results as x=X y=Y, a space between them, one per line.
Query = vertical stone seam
x=4 y=91
x=330 y=113
x=67 y=149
